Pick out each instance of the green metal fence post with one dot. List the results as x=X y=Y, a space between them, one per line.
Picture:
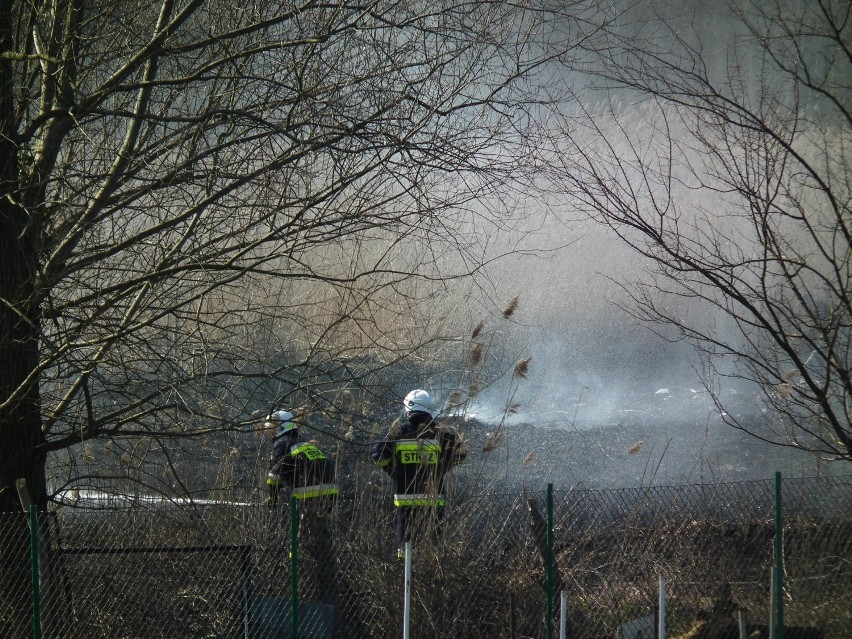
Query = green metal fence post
x=294 y=565
x=779 y=560
x=549 y=559
x=34 y=564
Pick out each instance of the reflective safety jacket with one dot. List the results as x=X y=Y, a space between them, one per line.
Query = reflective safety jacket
x=418 y=462
x=302 y=467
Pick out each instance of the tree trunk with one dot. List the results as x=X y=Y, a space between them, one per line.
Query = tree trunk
x=21 y=453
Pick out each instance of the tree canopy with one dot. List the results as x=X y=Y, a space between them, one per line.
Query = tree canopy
x=199 y=192
x=730 y=170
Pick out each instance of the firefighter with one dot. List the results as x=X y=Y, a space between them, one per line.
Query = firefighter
x=417 y=454
x=304 y=470
x=297 y=465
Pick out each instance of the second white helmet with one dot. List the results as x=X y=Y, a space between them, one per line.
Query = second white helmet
x=419 y=401
x=282 y=420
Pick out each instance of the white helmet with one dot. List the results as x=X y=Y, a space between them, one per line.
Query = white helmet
x=419 y=401
x=283 y=420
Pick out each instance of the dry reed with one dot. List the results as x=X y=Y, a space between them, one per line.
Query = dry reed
x=456 y=398
x=474 y=387
x=511 y=307
x=491 y=441
x=395 y=426
x=478 y=329
x=475 y=355
x=522 y=367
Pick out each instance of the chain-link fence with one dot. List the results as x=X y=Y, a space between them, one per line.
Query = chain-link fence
x=235 y=570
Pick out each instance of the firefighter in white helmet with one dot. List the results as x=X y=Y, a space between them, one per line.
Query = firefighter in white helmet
x=418 y=455
x=302 y=469
x=299 y=466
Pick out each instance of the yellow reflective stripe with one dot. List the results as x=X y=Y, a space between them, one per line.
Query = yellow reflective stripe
x=319 y=490
x=417 y=444
x=383 y=462
x=418 y=500
x=308 y=450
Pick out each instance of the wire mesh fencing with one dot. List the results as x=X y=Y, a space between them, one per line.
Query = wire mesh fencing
x=251 y=572
x=714 y=544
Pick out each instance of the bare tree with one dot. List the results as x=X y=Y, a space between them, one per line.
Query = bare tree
x=725 y=160
x=211 y=205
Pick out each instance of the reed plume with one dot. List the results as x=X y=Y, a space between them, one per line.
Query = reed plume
x=475 y=356
x=522 y=367
x=301 y=414
x=510 y=307
x=393 y=431
x=474 y=387
x=478 y=329
x=491 y=441
x=456 y=398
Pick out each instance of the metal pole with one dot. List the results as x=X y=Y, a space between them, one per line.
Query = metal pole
x=406 y=608
x=294 y=566
x=549 y=559
x=563 y=616
x=34 y=565
x=661 y=622
x=741 y=623
x=779 y=559
x=772 y=603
